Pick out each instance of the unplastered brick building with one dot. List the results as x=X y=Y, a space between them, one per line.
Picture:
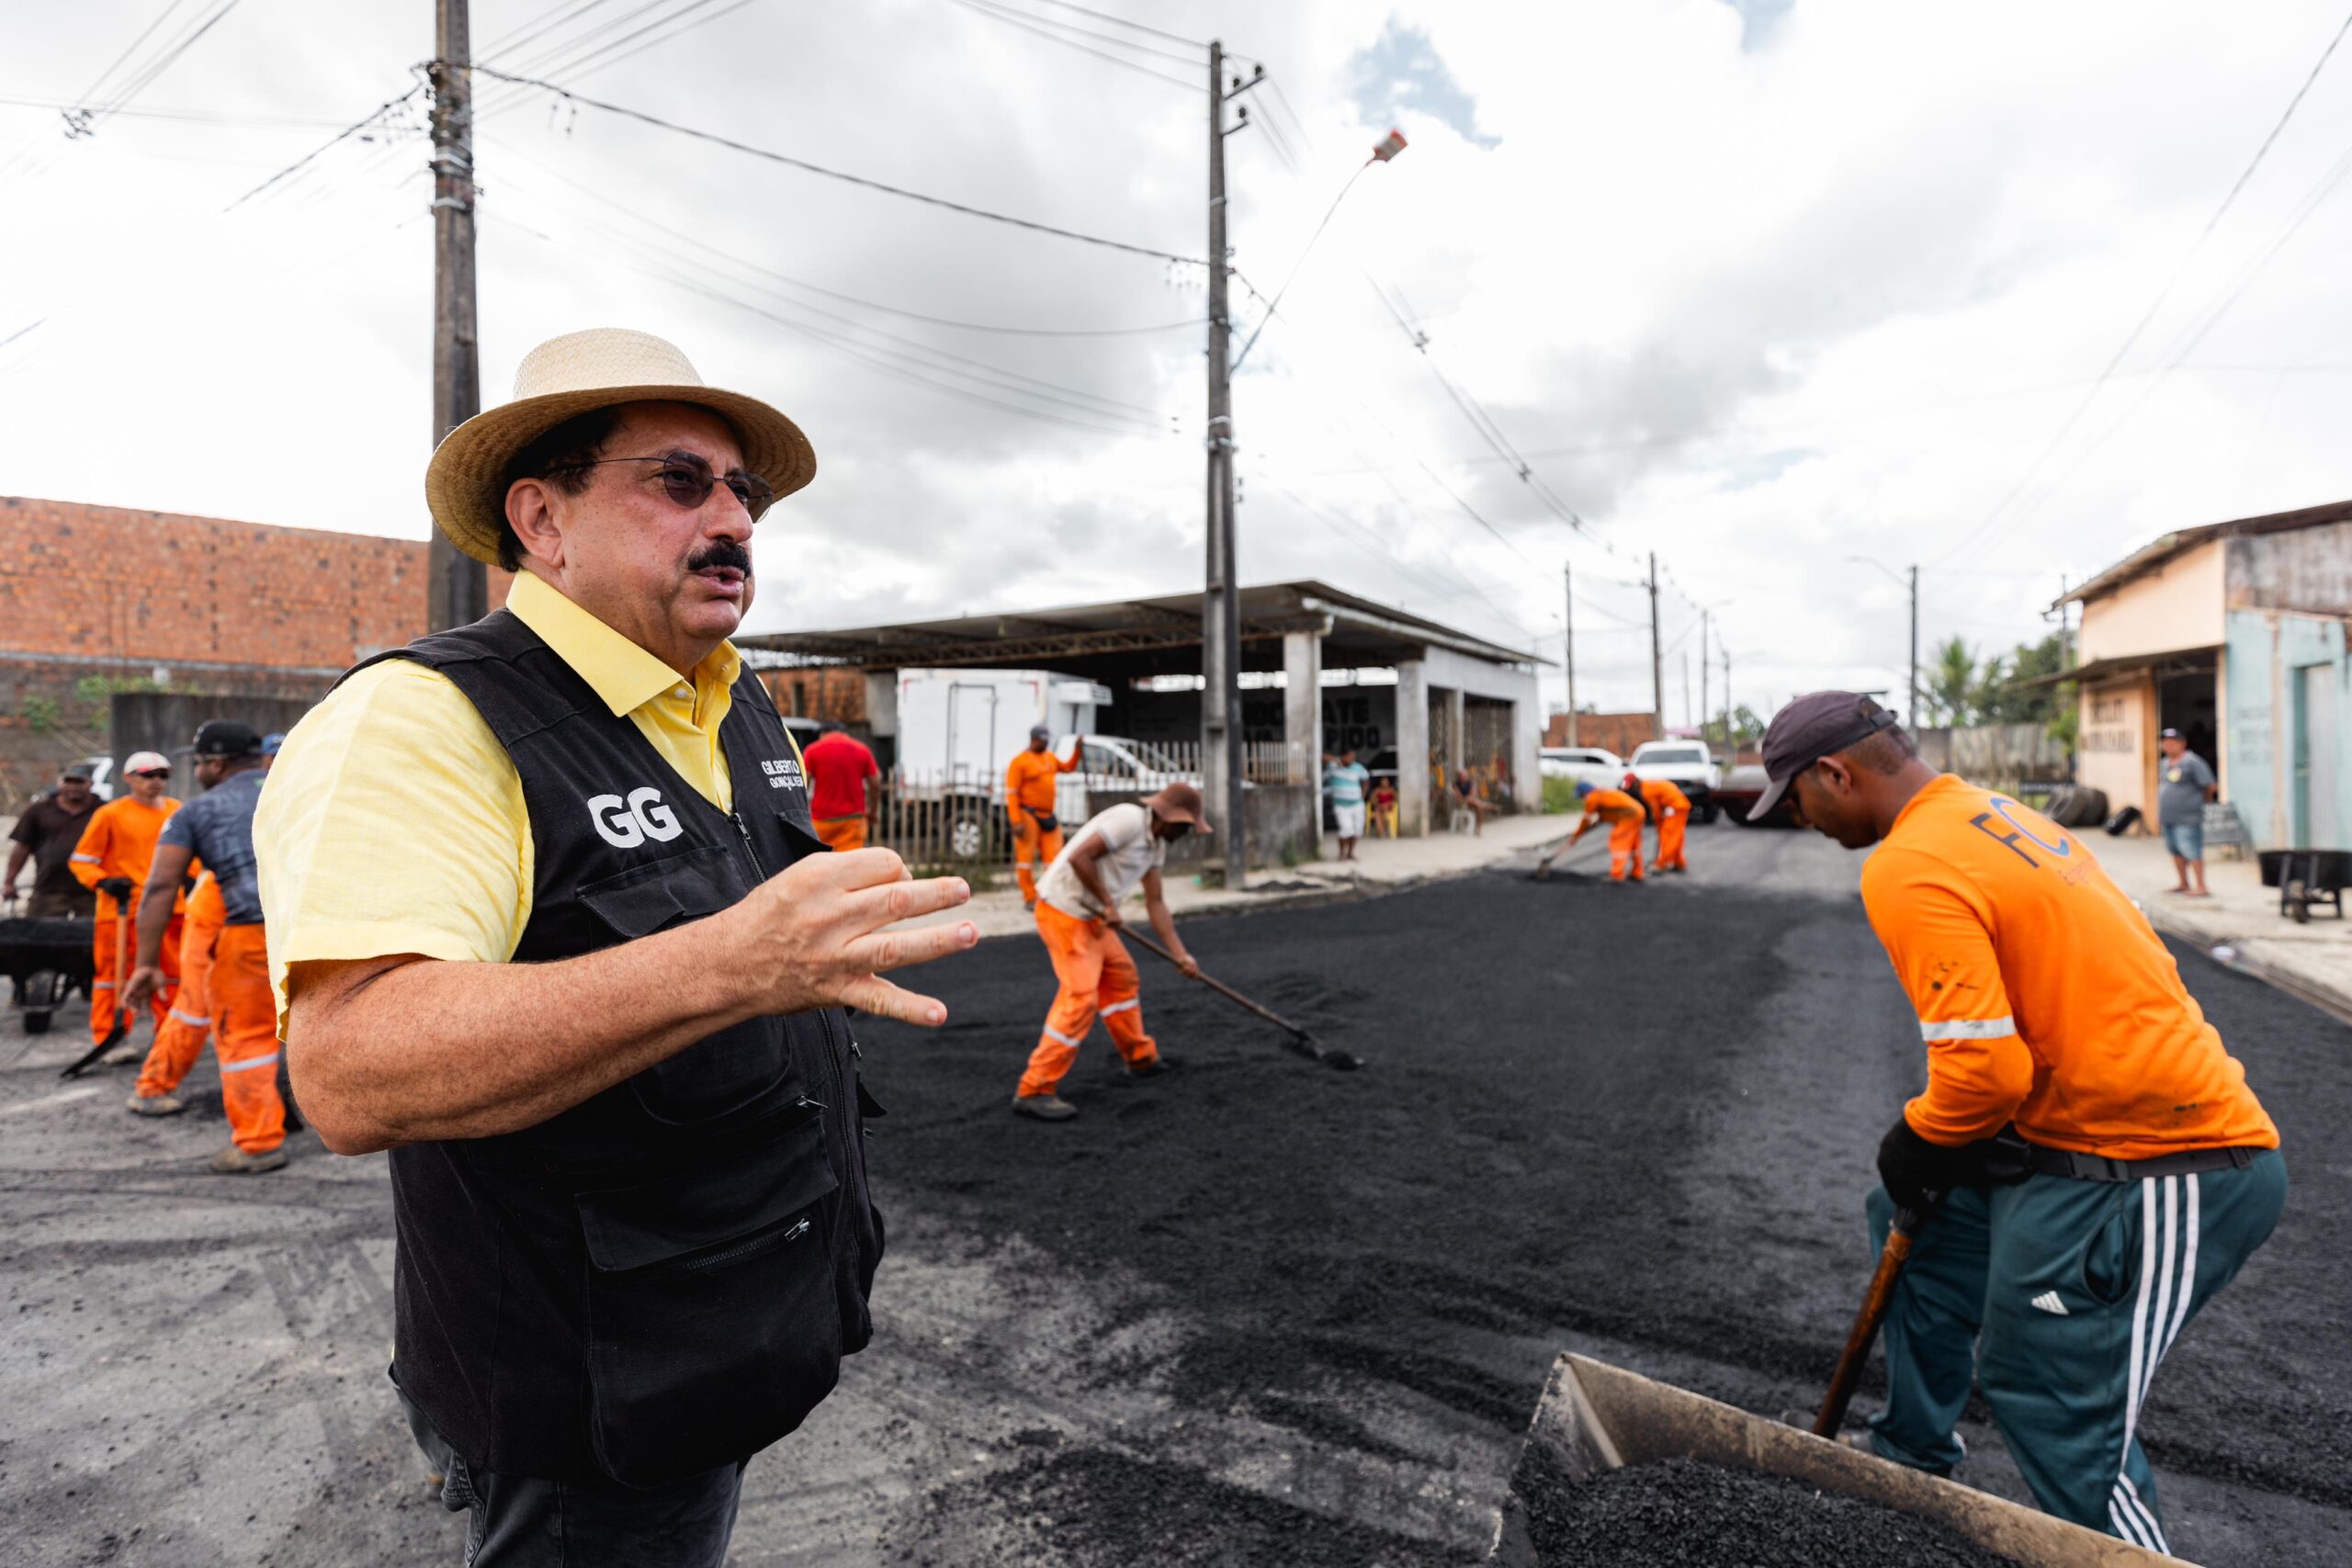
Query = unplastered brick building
x=99 y=599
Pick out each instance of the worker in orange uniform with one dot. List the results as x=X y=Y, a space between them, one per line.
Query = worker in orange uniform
x=840 y=774
x=114 y=855
x=2086 y=1167
x=1671 y=809
x=1030 y=783
x=1623 y=812
x=189 y=1024
x=218 y=827
x=1077 y=916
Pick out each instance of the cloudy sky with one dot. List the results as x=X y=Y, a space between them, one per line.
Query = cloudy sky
x=1759 y=285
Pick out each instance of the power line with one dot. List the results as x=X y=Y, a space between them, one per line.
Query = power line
x=1195 y=56
x=517 y=37
x=131 y=49
x=807 y=167
x=1039 y=28
x=353 y=129
x=1122 y=21
x=2162 y=294
x=148 y=74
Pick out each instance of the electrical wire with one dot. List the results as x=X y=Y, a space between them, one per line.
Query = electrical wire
x=516 y=38
x=807 y=167
x=353 y=129
x=147 y=74
x=131 y=49
x=1195 y=57
x=1040 y=27
x=1122 y=21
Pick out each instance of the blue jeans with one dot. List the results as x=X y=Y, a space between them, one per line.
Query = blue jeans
x=2185 y=840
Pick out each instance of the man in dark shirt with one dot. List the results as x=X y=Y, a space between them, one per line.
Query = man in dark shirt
x=46 y=834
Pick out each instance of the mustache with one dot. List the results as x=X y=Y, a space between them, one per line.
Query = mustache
x=721 y=552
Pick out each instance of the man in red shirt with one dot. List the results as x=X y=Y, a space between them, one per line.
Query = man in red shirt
x=839 y=768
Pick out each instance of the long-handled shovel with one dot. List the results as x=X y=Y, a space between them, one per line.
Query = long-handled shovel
x=1302 y=1042
x=1891 y=1260
x=121 y=1011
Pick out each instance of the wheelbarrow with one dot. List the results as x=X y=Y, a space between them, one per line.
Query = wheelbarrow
x=2306 y=878
x=45 y=960
x=1595 y=1418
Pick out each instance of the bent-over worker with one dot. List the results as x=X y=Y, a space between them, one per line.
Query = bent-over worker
x=113 y=856
x=1031 y=780
x=217 y=828
x=1623 y=812
x=842 y=772
x=549 y=923
x=2092 y=1163
x=1671 y=809
x=1077 y=917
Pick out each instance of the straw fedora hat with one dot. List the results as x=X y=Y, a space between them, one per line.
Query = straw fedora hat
x=465 y=483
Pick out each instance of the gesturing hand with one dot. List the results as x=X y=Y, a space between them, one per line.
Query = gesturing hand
x=813 y=936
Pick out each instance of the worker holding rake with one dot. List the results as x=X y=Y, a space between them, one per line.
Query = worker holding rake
x=2091 y=1164
x=1671 y=809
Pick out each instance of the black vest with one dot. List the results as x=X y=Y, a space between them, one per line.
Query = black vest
x=665 y=1277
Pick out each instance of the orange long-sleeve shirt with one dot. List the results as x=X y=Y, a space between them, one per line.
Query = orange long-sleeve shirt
x=120 y=841
x=1029 y=780
x=1610 y=804
x=2043 y=996
x=1665 y=794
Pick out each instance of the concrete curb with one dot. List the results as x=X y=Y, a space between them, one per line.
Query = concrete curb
x=2335 y=1003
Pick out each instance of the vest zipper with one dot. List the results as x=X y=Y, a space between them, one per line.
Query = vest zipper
x=759 y=871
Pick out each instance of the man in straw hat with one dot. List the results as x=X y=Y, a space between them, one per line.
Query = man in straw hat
x=547 y=921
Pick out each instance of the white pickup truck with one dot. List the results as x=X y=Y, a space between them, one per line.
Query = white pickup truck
x=1689 y=765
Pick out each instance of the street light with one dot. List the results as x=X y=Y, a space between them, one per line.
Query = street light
x=1911 y=714
x=1382 y=150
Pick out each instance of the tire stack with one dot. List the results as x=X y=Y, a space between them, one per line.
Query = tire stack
x=2076 y=805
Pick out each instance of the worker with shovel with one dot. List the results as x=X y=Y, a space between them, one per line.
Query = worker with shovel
x=1623 y=813
x=1671 y=809
x=1077 y=916
x=2092 y=1165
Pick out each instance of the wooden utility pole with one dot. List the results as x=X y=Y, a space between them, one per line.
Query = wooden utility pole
x=1657 y=662
x=1569 y=643
x=456 y=586
x=1223 y=768
x=1911 y=715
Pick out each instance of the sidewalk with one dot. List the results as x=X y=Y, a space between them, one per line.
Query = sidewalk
x=1382 y=866
x=2240 y=924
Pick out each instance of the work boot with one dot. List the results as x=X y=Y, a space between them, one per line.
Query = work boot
x=235 y=1161
x=155 y=1105
x=1044 y=1107
x=1151 y=1068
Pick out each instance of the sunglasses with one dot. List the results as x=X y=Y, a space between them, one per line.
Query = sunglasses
x=152 y=773
x=688 y=482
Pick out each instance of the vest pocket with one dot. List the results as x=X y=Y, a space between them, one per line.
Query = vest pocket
x=719 y=1073
x=712 y=1325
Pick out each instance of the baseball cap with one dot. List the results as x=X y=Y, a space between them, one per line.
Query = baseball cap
x=76 y=771
x=1809 y=728
x=1039 y=732
x=146 y=762
x=271 y=741
x=2169 y=734
x=1178 y=802
x=226 y=738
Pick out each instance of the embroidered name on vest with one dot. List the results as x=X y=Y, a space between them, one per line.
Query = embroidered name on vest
x=783 y=773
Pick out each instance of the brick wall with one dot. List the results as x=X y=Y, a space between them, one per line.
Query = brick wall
x=819 y=692
x=1618 y=732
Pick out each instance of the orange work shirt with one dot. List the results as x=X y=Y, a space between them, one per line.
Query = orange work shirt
x=1665 y=794
x=120 y=841
x=1029 y=778
x=2043 y=995
x=1610 y=804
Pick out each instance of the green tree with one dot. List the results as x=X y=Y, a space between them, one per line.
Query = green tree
x=1951 y=687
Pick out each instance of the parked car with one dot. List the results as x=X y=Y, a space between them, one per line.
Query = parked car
x=1689 y=764
x=1584 y=764
x=1742 y=788
x=101 y=776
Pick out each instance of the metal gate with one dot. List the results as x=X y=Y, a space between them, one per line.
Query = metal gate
x=2316 y=819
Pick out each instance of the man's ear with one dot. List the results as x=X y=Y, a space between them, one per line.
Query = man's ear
x=531 y=512
x=1837 y=772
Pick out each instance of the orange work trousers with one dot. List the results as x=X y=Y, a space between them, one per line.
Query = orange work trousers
x=1670 y=824
x=1031 y=850
x=244 y=1036
x=189 y=1024
x=103 y=986
x=843 y=833
x=1624 y=849
x=1098 y=980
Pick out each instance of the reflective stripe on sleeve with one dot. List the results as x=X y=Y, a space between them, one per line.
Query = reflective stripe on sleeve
x=87 y=860
x=1967 y=1028
x=256 y=1062
x=191 y=1021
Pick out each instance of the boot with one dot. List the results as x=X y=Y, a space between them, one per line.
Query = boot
x=155 y=1105
x=1044 y=1107
x=235 y=1161
x=1150 y=1069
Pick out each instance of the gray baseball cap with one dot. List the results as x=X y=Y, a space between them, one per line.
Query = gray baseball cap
x=1809 y=728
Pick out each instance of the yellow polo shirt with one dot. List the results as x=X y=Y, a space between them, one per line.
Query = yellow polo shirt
x=393 y=820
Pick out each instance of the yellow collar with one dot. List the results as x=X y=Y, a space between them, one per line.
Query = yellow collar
x=623 y=674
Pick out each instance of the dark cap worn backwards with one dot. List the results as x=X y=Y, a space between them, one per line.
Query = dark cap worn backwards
x=1809 y=728
x=226 y=738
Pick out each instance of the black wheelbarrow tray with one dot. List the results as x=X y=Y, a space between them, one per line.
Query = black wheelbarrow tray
x=2307 y=877
x=1595 y=1418
x=45 y=960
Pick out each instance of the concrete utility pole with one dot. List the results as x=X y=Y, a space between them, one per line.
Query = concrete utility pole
x=456 y=586
x=1657 y=662
x=1702 y=674
x=1911 y=714
x=1569 y=643
x=1730 y=743
x=1223 y=767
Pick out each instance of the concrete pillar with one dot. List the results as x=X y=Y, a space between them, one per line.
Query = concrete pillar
x=1457 y=743
x=1302 y=719
x=1412 y=748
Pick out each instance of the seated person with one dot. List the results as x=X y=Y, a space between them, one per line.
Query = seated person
x=1384 y=808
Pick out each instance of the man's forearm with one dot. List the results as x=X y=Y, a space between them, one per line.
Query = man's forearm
x=1164 y=924
x=16 y=856
x=430 y=1050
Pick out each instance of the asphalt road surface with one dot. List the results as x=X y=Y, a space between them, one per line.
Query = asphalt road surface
x=1254 y=1311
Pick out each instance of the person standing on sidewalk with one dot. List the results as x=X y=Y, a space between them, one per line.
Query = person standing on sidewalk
x=842 y=772
x=1032 y=783
x=2186 y=785
x=1344 y=782
x=1077 y=917
x=217 y=828
x=2090 y=1167
x=46 y=835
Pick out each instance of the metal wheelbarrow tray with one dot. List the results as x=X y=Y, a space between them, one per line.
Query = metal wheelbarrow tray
x=1595 y=1418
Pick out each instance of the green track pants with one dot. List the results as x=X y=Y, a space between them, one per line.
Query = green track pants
x=2059 y=1297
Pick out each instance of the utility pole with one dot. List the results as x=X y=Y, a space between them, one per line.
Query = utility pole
x=1731 y=743
x=1688 y=712
x=1222 y=767
x=1911 y=715
x=1702 y=674
x=1569 y=643
x=456 y=586
x=1657 y=662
